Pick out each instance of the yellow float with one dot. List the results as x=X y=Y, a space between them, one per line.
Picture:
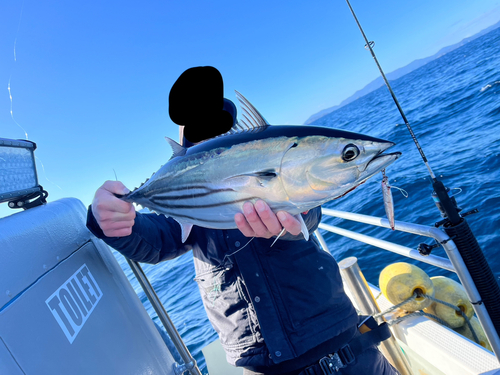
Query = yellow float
x=448 y=290
x=399 y=281
x=465 y=331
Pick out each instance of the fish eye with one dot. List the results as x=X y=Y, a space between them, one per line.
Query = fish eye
x=350 y=152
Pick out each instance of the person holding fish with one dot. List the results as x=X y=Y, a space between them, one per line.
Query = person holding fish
x=273 y=296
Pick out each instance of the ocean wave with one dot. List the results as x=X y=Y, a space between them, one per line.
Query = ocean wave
x=489 y=86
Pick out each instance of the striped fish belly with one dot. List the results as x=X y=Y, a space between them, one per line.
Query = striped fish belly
x=209 y=188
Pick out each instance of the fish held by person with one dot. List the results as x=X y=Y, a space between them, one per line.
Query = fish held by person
x=291 y=168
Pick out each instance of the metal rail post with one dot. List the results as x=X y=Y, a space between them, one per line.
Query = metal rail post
x=355 y=281
x=189 y=362
x=455 y=262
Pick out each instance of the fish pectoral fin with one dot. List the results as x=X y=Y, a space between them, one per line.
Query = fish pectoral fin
x=185 y=229
x=177 y=149
x=262 y=178
x=303 y=226
x=266 y=174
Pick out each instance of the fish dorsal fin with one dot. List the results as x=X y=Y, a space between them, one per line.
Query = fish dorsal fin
x=252 y=120
x=177 y=149
x=252 y=117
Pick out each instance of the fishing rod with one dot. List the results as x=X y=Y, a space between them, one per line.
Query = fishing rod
x=442 y=195
x=455 y=226
x=370 y=45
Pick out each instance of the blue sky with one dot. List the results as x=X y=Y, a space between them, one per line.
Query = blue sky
x=89 y=81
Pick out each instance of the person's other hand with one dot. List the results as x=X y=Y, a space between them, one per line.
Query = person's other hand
x=257 y=220
x=114 y=216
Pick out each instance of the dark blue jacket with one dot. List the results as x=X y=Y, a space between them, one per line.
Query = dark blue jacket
x=269 y=305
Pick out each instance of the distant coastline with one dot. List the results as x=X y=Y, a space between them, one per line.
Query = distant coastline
x=375 y=84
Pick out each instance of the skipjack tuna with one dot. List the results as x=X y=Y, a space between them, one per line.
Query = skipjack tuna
x=292 y=168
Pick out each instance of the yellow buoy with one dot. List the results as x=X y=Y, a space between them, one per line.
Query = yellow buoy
x=465 y=331
x=448 y=290
x=399 y=281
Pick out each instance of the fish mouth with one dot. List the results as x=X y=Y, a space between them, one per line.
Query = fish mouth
x=380 y=161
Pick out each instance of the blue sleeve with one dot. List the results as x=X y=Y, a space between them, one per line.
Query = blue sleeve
x=154 y=238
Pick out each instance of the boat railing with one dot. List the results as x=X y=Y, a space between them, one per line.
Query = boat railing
x=189 y=363
x=454 y=262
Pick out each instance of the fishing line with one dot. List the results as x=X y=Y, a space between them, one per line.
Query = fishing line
x=12 y=102
x=237 y=251
x=15 y=60
x=45 y=174
x=17 y=32
x=12 y=112
x=402 y=191
x=369 y=45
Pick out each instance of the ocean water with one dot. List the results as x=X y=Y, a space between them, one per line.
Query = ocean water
x=453 y=105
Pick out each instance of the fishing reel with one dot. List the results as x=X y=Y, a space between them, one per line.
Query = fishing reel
x=454 y=207
x=440 y=205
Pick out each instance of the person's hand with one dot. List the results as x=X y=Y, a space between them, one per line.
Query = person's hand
x=259 y=221
x=114 y=216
